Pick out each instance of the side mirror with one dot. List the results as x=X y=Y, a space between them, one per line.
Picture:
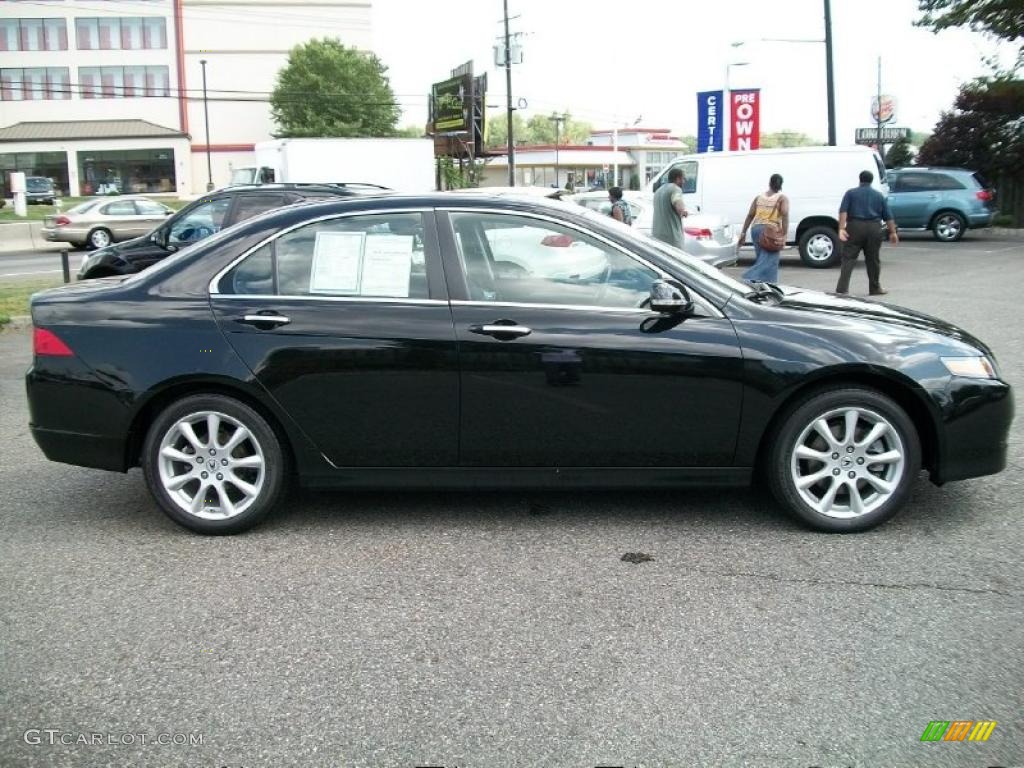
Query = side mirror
x=670 y=298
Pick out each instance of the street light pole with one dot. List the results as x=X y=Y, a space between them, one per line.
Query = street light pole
x=206 y=117
x=508 y=103
x=557 y=120
x=830 y=87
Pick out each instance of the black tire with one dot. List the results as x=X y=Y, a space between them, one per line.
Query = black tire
x=262 y=441
x=901 y=438
x=813 y=250
x=98 y=234
x=948 y=226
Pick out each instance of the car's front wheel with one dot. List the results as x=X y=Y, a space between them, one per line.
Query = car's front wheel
x=214 y=464
x=948 y=227
x=844 y=460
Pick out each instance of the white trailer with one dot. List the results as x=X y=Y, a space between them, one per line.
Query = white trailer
x=405 y=165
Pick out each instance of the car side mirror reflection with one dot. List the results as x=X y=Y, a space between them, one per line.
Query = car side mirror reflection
x=670 y=298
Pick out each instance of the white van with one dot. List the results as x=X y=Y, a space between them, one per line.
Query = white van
x=814 y=180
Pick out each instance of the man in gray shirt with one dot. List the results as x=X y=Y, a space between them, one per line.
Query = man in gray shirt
x=669 y=210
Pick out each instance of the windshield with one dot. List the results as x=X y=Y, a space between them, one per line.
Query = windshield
x=38 y=184
x=684 y=260
x=242 y=175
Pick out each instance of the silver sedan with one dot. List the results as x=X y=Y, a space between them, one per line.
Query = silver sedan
x=709 y=237
x=98 y=222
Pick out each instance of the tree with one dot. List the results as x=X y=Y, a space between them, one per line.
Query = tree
x=327 y=89
x=537 y=130
x=1003 y=19
x=788 y=139
x=410 y=132
x=985 y=132
x=899 y=154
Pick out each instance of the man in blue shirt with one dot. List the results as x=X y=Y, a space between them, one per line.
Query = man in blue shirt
x=860 y=212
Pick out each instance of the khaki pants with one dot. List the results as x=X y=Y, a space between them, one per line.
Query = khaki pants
x=864 y=236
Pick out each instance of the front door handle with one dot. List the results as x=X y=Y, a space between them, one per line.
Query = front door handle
x=502 y=332
x=258 y=320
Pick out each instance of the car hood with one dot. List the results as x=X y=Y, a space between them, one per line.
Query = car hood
x=829 y=305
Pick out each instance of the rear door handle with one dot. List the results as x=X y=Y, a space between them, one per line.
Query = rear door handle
x=257 y=320
x=502 y=332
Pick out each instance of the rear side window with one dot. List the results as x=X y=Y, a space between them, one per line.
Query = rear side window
x=982 y=181
x=942 y=181
x=379 y=256
x=248 y=206
x=120 y=208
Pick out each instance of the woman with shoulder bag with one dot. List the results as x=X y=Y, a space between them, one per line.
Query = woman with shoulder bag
x=769 y=214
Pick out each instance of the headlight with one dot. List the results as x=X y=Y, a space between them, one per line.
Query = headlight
x=970 y=367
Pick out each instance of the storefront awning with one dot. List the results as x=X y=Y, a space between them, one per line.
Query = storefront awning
x=72 y=130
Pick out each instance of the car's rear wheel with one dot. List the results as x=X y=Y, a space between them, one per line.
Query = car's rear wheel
x=948 y=226
x=845 y=460
x=214 y=464
x=99 y=238
x=819 y=247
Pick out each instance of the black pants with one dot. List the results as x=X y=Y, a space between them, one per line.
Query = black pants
x=866 y=236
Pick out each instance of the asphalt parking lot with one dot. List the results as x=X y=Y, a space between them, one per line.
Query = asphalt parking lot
x=498 y=629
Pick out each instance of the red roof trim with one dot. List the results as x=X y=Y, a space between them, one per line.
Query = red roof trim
x=564 y=147
x=223 y=147
x=610 y=131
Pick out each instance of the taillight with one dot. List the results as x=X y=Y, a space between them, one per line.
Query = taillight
x=985 y=195
x=61 y=221
x=47 y=344
x=698 y=232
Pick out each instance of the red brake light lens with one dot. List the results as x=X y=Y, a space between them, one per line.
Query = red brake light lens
x=61 y=221
x=985 y=195
x=47 y=344
x=698 y=232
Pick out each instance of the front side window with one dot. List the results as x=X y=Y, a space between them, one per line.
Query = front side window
x=373 y=256
x=251 y=205
x=508 y=258
x=199 y=223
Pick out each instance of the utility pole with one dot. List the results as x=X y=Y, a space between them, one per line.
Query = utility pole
x=508 y=102
x=830 y=86
x=878 y=113
x=557 y=120
x=206 y=116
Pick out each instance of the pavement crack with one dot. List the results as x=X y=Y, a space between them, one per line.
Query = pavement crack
x=854 y=583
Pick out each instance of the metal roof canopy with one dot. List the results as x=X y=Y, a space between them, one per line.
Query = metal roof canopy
x=71 y=130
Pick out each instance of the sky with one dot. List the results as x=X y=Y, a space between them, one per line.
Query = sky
x=613 y=61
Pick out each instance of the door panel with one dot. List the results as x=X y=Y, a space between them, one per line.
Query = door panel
x=562 y=367
x=372 y=380
x=593 y=388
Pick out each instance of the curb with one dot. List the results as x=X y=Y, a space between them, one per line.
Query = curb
x=18 y=236
x=17 y=323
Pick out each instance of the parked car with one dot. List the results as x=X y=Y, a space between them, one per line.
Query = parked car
x=815 y=179
x=708 y=237
x=375 y=342
x=947 y=201
x=200 y=219
x=39 y=189
x=100 y=221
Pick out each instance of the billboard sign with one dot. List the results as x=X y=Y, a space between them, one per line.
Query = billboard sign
x=869 y=136
x=450 y=104
x=710 y=121
x=745 y=117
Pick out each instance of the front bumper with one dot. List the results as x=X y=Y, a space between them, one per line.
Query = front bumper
x=977 y=414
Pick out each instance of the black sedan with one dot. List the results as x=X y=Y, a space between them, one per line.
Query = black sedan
x=470 y=341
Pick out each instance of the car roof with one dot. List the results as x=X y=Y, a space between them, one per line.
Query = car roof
x=928 y=168
x=333 y=189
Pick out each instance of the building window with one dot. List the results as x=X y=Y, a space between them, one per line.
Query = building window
x=33 y=35
x=128 y=171
x=122 y=82
x=52 y=165
x=34 y=84
x=127 y=33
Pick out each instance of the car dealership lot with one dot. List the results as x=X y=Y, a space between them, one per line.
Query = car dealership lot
x=491 y=628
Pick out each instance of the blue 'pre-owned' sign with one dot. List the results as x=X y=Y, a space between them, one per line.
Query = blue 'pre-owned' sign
x=710 y=120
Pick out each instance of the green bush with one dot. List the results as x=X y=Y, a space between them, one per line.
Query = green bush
x=1003 y=220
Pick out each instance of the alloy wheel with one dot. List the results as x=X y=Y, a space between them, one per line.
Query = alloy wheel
x=948 y=226
x=100 y=238
x=211 y=465
x=848 y=462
